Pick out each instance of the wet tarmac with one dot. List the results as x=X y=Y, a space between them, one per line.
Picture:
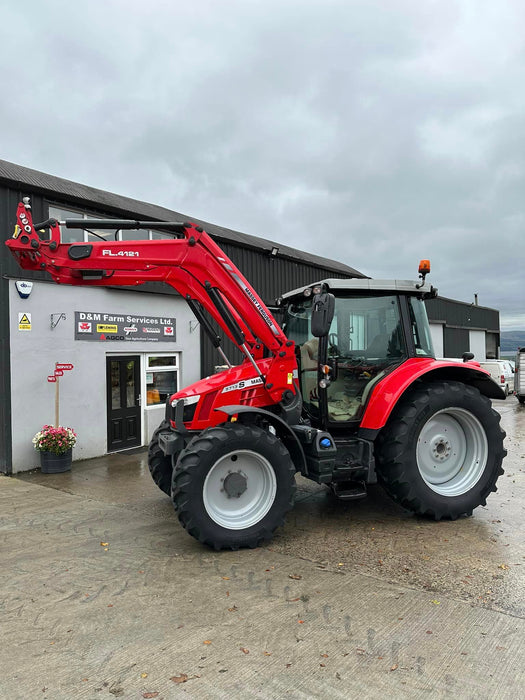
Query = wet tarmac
x=106 y=595
x=481 y=558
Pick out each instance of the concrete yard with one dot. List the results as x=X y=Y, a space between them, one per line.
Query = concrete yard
x=104 y=595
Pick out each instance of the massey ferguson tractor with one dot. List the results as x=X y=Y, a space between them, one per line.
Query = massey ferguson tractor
x=347 y=393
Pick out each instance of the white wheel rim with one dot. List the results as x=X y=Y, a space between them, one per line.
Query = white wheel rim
x=452 y=451
x=240 y=471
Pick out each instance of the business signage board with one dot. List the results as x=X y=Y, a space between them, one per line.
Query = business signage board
x=108 y=328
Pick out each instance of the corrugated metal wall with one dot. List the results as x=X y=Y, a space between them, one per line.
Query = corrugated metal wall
x=462 y=315
x=272 y=276
x=458 y=319
x=9 y=199
x=455 y=341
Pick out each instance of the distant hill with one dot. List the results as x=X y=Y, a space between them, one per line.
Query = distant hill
x=510 y=341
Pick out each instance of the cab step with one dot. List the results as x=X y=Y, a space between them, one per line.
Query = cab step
x=349 y=490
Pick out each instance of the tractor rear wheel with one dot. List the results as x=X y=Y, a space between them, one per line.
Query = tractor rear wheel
x=160 y=466
x=232 y=486
x=441 y=451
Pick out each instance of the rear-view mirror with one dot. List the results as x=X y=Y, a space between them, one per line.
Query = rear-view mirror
x=323 y=307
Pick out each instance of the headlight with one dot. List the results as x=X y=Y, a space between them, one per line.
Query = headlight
x=190 y=406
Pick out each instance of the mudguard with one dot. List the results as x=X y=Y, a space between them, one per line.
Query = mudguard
x=283 y=430
x=389 y=390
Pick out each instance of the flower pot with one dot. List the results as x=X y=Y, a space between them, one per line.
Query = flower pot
x=51 y=463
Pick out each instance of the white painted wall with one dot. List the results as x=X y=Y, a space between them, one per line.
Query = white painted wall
x=436 y=331
x=477 y=345
x=83 y=390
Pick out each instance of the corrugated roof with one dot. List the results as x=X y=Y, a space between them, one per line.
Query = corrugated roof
x=18 y=175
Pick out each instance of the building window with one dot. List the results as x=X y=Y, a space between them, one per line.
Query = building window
x=92 y=234
x=73 y=235
x=159 y=235
x=161 y=378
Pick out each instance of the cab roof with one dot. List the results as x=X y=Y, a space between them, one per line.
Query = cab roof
x=350 y=286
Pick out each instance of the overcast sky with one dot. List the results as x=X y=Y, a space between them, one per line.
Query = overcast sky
x=374 y=132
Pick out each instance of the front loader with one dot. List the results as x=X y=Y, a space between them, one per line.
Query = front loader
x=347 y=393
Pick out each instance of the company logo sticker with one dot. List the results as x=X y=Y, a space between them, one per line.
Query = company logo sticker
x=85 y=327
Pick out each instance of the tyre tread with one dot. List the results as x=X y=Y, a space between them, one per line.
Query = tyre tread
x=160 y=466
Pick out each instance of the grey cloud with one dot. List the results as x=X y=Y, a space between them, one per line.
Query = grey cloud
x=375 y=133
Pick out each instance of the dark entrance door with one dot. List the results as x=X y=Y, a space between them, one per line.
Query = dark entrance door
x=123 y=400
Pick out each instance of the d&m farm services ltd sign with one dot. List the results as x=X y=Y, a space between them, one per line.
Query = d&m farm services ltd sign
x=111 y=327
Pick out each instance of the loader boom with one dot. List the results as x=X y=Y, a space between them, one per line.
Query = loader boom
x=193 y=264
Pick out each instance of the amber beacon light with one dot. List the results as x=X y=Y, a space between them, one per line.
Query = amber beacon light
x=424 y=267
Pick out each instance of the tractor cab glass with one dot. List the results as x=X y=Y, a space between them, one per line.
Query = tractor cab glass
x=420 y=327
x=365 y=339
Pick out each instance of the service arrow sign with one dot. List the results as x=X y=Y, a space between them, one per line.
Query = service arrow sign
x=51 y=378
x=63 y=365
x=59 y=373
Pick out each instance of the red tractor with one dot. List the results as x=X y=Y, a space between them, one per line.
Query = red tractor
x=348 y=393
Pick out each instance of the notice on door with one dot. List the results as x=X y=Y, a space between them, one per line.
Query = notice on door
x=107 y=328
x=24 y=322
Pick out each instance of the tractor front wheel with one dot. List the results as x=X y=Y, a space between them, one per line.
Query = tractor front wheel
x=160 y=466
x=232 y=486
x=441 y=451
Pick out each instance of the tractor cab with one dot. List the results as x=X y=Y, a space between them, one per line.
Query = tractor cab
x=349 y=334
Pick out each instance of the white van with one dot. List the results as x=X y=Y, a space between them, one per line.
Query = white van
x=509 y=374
x=498 y=372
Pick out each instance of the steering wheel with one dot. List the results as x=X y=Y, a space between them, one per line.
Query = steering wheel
x=333 y=348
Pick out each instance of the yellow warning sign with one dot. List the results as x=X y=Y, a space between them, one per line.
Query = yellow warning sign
x=24 y=322
x=106 y=328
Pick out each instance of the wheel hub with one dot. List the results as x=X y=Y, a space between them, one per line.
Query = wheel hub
x=440 y=448
x=228 y=500
x=235 y=484
x=452 y=451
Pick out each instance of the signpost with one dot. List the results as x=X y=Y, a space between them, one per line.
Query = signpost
x=60 y=368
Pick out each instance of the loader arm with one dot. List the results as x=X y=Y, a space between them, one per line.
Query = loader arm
x=193 y=264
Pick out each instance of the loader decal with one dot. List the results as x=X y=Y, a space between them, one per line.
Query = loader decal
x=260 y=307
